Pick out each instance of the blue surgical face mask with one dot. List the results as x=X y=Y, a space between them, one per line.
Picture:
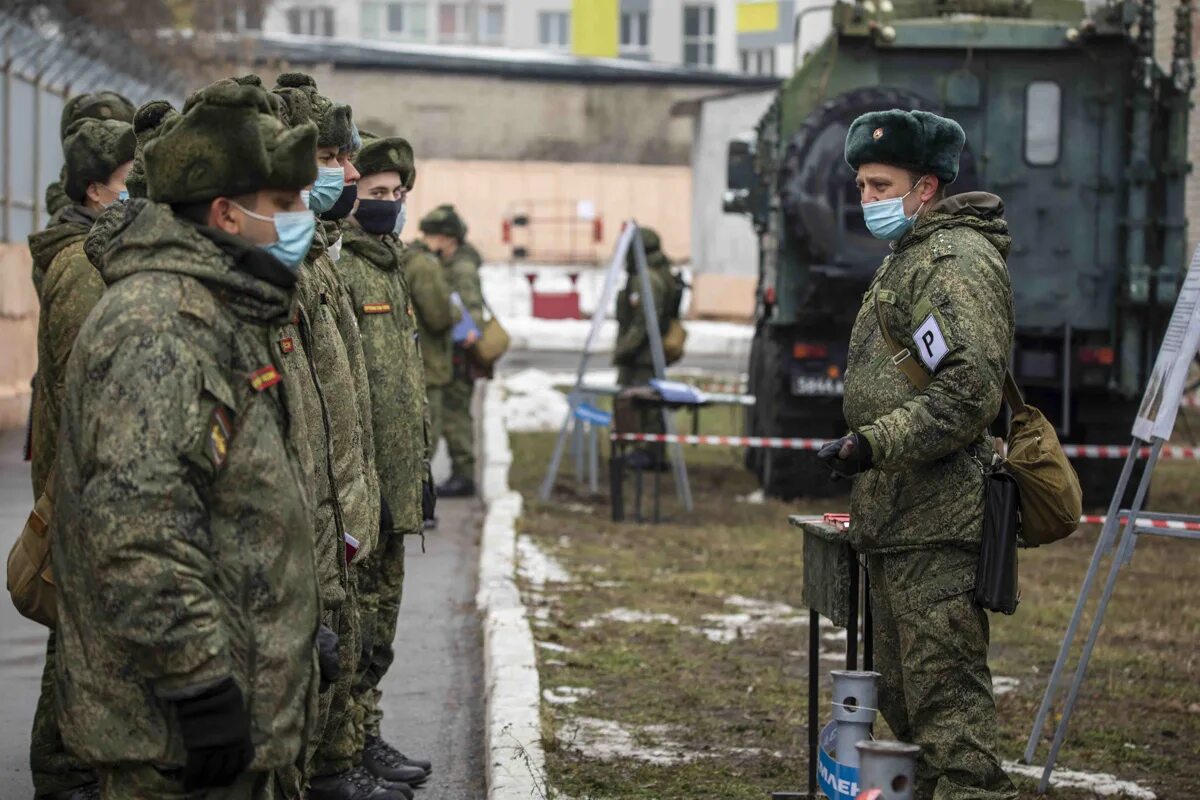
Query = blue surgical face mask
x=123 y=196
x=885 y=218
x=401 y=218
x=327 y=189
x=295 y=231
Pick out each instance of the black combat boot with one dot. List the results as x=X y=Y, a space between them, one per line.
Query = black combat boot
x=89 y=791
x=356 y=784
x=457 y=487
x=383 y=759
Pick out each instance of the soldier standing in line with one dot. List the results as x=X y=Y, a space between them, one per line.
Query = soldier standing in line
x=188 y=606
x=370 y=268
x=98 y=155
x=917 y=501
x=101 y=106
x=445 y=234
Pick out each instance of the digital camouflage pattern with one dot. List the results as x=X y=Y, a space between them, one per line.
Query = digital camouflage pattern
x=456 y=424
x=147 y=124
x=926 y=444
x=436 y=315
x=68 y=286
x=918 y=513
x=93 y=150
x=369 y=267
x=141 y=783
x=182 y=537
x=931 y=645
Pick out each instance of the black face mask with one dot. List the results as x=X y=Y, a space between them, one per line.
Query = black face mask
x=378 y=216
x=341 y=207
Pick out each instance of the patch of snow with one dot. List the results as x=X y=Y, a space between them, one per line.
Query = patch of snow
x=608 y=584
x=531 y=403
x=537 y=566
x=631 y=616
x=754 y=616
x=653 y=744
x=755 y=498
x=565 y=695
x=1098 y=783
x=1002 y=686
x=554 y=648
x=579 y=508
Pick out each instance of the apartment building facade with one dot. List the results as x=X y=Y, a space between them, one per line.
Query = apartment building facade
x=748 y=36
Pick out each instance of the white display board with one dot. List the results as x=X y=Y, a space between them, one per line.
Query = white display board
x=1160 y=405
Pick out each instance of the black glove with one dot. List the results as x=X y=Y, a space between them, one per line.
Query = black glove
x=386 y=523
x=428 y=501
x=327 y=656
x=216 y=735
x=847 y=456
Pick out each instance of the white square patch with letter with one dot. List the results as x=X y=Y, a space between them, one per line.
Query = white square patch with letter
x=931 y=344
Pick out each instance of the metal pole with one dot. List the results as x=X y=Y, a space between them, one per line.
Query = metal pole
x=1128 y=538
x=852 y=623
x=868 y=639
x=593 y=458
x=855 y=696
x=1103 y=545
x=814 y=658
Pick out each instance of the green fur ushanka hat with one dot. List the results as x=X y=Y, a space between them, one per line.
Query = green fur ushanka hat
x=444 y=220
x=93 y=150
x=390 y=153
x=915 y=140
x=101 y=105
x=333 y=120
x=147 y=123
x=228 y=143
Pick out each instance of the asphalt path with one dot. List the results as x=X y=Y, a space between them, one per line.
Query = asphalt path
x=432 y=696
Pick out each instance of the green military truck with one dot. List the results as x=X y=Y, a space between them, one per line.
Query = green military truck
x=1068 y=118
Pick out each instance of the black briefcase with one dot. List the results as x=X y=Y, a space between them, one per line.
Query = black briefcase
x=996 y=575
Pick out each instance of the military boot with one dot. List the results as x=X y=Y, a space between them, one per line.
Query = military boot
x=457 y=487
x=356 y=784
x=380 y=757
x=89 y=791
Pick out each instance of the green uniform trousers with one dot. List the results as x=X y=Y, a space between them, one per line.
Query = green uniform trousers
x=380 y=585
x=435 y=395
x=457 y=426
x=650 y=420
x=144 y=782
x=337 y=744
x=54 y=769
x=931 y=647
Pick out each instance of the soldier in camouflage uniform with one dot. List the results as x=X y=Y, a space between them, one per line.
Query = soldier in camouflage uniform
x=370 y=268
x=445 y=234
x=917 y=502
x=101 y=106
x=182 y=533
x=98 y=154
x=323 y=368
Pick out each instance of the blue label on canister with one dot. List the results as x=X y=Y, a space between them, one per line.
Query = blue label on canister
x=837 y=781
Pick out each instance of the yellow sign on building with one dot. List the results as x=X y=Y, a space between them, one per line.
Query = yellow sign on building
x=594 y=25
x=756 y=16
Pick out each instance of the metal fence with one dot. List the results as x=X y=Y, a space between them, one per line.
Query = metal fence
x=40 y=67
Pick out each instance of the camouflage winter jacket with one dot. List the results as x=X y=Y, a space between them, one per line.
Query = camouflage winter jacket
x=436 y=316
x=946 y=296
x=463 y=276
x=633 y=344
x=369 y=267
x=68 y=286
x=182 y=537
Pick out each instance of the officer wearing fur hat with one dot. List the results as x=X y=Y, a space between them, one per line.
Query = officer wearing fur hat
x=370 y=266
x=917 y=502
x=101 y=106
x=189 y=654
x=98 y=154
x=445 y=233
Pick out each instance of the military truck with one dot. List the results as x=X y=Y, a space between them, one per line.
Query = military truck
x=1068 y=118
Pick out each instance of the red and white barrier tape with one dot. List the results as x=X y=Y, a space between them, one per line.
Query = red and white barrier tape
x=778 y=443
x=1168 y=524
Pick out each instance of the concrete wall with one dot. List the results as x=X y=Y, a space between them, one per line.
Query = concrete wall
x=476 y=117
x=18 y=334
x=722 y=243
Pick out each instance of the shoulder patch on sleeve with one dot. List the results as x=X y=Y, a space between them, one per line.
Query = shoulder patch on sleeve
x=930 y=342
x=286 y=345
x=264 y=378
x=377 y=308
x=220 y=431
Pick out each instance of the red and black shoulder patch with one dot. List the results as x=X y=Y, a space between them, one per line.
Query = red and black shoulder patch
x=286 y=345
x=264 y=378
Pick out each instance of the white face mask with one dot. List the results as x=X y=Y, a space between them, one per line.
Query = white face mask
x=335 y=250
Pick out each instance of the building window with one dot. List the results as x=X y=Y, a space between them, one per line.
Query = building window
x=699 y=35
x=554 y=30
x=397 y=19
x=491 y=24
x=635 y=32
x=1043 y=123
x=758 y=62
x=454 y=22
x=315 y=21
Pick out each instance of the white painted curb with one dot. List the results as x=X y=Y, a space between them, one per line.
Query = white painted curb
x=516 y=768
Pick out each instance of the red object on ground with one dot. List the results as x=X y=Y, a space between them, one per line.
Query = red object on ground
x=556 y=305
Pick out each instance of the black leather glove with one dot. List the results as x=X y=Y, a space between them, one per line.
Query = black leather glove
x=847 y=456
x=327 y=657
x=386 y=523
x=216 y=735
x=428 y=501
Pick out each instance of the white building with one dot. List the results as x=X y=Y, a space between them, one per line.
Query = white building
x=749 y=36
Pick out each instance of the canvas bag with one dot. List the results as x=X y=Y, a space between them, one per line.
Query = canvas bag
x=493 y=341
x=30 y=578
x=1051 y=500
